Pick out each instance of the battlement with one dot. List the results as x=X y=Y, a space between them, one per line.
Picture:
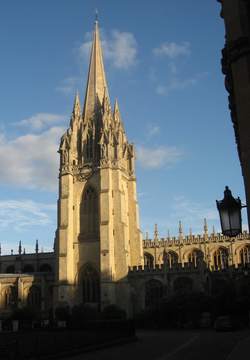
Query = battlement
x=192 y=239
x=187 y=268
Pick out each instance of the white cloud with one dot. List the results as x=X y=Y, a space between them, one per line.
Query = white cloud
x=157 y=157
x=21 y=214
x=152 y=130
x=41 y=120
x=120 y=48
x=172 y=49
x=31 y=160
x=68 y=86
x=176 y=83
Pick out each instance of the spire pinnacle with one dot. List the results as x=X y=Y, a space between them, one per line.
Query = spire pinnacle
x=96 y=15
x=20 y=248
x=37 y=247
x=96 y=83
x=156 y=233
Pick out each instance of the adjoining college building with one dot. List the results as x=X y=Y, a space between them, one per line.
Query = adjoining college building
x=99 y=255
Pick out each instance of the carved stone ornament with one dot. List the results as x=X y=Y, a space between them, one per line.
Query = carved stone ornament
x=84 y=174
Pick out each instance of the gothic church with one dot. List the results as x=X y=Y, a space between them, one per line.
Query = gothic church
x=99 y=256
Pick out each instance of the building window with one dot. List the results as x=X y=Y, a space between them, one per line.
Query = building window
x=183 y=285
x=170 y=258
x=90 y=285
x=10 y=297
x=245 y=255
x=45 y=268
x=34 y=297
x=89 y=214
x=221 y=259
x=196 y=257
x=28 y=268
x=10 y=269
x=153 y=293
x=148 y=260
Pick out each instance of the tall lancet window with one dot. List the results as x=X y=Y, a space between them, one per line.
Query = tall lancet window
x=89 y=215
x=90 y=285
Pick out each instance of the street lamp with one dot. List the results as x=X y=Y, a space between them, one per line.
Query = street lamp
x=230 y=214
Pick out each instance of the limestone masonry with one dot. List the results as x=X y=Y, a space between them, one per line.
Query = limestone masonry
x=99 y=256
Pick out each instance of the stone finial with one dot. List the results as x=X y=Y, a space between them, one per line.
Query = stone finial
x=205 y=227
x=20 y=248
x=156 y=233
x=24 y=251
x=190 y=232
x=37 y=247
x=146 y=237
x=11 y=251
x=0 y=249
x=213 y=232
x=180 y=229
x=168 y=234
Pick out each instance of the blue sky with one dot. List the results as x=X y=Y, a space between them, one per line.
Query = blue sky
x=162 y=61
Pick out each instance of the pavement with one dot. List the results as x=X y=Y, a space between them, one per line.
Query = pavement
x=178 y=345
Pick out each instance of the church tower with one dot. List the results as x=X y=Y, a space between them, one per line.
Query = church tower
x=98 y=235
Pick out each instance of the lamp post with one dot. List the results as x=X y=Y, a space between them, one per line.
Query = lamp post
x=230 y=214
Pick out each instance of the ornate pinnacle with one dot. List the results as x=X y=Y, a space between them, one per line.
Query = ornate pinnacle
x=0 y=249
x=37 y=247
x=190 y=232
x=146 y=235
x=20 y=248
x=205 y=227
x=156 y=233
x=180 y=228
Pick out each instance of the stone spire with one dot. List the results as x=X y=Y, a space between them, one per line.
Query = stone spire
x=96 y=85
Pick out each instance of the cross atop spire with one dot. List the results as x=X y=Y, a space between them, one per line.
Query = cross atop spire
x=96 y=85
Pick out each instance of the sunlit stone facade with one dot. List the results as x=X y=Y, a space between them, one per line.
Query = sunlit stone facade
x=99 y=255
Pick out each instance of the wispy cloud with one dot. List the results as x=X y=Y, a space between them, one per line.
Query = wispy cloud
x=31 y=160
x=41 y=120
x=68 y=86
x=22 y=214
x=191 y=213
x=157 y=157
x=176 y=83
x=173 y=50
x=152 y=130
x=119 y=48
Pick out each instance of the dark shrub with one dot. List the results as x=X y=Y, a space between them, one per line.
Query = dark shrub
x=113 y=312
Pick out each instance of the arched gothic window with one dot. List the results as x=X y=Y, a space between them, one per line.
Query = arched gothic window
x=245 y=255
x=45 y=268
x=10 y=297
x=170 y=258
x=28 y=268
x=153 y=293
x=89 y=215
x=196 y=257
x=221 y=258
x=34 y=297
x=183 y=285
x=10 y=269
x=90 y=282
x=148 y=260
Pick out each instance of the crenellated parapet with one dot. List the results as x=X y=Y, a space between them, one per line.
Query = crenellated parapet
x=193 y=240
